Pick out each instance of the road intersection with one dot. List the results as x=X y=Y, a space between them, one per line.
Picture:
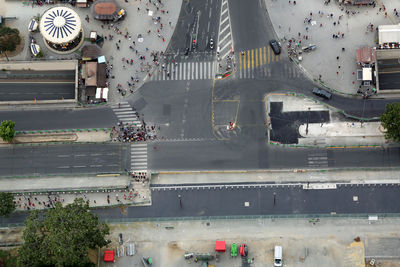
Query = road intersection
x=193 y=110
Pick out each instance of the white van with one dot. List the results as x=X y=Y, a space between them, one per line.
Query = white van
x=278 y=256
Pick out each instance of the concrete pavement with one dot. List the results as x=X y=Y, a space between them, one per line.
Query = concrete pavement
x=338 y=74
x=275 y=177
x=100 y=191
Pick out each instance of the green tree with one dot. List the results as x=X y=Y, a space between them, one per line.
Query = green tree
x=7 y=205
x=391 y=121
x=9 y=39
x=61 y=236
x=7 y=131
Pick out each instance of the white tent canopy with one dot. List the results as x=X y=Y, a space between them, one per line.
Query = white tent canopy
x=389 y=34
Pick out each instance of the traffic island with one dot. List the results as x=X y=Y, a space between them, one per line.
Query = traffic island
x=80 y=136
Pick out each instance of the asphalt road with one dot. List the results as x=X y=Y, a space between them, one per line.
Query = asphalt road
x=46 y=119
x=22 y=91
x=228 y=200
x=197 y=18
x=63 y=159
x=243 y=153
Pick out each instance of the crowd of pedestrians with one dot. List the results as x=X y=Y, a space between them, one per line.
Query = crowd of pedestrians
x=38 y=201
x=131 y=132
x=138 y=62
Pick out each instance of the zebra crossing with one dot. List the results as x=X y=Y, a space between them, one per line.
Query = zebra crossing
x=318 y=159
x=225 y=40
x=139 y=157
x=126 y=114
x=191 y=70
x=259 y=62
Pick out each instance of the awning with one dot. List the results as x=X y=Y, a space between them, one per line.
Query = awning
x=101 y=59
x=102 y=93
x=33 y=24
x=220 y=246
x=35 y=49
x=367 y=74
x=389 y=34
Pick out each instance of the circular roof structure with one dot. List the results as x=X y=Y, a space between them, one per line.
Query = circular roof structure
x=60 y=25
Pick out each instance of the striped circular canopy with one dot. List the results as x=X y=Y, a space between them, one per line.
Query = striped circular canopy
x=60 y=25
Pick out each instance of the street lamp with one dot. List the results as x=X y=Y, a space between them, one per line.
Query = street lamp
x=180 y=200
x=308 y=118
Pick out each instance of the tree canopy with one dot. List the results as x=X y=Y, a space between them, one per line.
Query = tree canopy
x=61 y=236
x=9 y=39
x=7 y=131
x=391 y=121
x=7 y=205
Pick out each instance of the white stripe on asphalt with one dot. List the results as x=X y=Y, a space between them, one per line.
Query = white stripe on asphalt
x=227 y=26
x=184 y=70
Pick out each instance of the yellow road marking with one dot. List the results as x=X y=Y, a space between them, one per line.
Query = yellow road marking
x=265 y=55
x=240 y=61
x=269 y=53
x=252 y=58
x=256 y=57
x=260 y=53
x=248 y=59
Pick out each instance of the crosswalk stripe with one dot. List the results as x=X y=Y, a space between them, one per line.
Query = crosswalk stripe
x=256 y=57
x=209 y=71
x=184 y=71
x=265 y=55
x=196 y=70
x=248 y=61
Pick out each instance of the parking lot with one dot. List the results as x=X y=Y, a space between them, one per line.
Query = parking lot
x=305 y=242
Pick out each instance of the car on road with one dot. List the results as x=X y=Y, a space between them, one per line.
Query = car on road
x=275 y=47
x=211 y=43
x=322 y=93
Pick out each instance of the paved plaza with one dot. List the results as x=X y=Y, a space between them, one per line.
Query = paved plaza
x=311 y=23
x=124 y=34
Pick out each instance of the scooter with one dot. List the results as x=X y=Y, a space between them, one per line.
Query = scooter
x=211 y=44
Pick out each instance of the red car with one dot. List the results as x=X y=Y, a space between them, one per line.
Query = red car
x=243 y=250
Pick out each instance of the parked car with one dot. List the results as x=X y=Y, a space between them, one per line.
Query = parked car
x=243 y=250
x=322 y=93
x=275 y=47
x=233 y=250
x=278 y=256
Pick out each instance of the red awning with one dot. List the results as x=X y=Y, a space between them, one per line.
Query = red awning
x=109 y=255
x=220 y=246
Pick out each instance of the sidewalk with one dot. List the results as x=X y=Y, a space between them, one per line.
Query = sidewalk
x=99 y=191
x=275 y=177
x=125 y=35
x=311 y=23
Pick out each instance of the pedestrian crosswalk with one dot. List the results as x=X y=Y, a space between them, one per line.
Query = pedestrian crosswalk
x=191 y=70
x=126 y=114
x=318 y=159
x=287 y=70
x=139 y=157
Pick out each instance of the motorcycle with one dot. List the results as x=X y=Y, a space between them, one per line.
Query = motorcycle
x=211 y=44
